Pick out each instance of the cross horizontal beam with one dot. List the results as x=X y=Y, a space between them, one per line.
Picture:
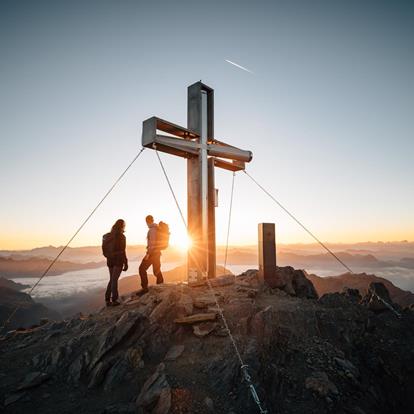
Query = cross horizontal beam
x=184 y=142
x=222 y=150
x=230 y=166
x=154 y=124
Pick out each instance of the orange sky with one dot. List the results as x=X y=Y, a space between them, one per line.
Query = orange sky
x=326 y=110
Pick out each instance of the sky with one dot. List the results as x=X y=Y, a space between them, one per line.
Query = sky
x=326 y=109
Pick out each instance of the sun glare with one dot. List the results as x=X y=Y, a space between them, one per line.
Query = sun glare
x=182 y=242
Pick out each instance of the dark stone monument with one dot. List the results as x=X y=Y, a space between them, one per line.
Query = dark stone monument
x=267 y=253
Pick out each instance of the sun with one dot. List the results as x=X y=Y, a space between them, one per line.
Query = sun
x=182 y=242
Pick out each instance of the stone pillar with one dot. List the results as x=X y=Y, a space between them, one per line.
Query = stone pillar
x=267 y=253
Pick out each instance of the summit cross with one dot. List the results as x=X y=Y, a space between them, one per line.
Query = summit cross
x=203 y=152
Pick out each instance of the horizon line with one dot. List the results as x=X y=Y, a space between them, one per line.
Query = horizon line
x=223 y=245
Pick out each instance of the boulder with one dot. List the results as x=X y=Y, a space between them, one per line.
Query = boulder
x=132 y=302
x=185 y=305
x=334 y=300
x=352 y=294
x=76 y=368
x=162 y=311
x=99 y=372
x=302 y=286
x=250 y=292
x=164 y=402
x=57 y=356
x=223 y=281
x=117 y=333
x=242 y=309
x=376 y=296
x=260 y=325
x=209 y=404
x=249 y=278
x=121 y=408
x=155 y=395
x=204 y=301
x=117 y=374
x=174 y=352
x=33 y=379
x=134 y=357
x=294 y=282
x=282 y=280
x=203 y=329
x=12 y=398
x=320 y=384
x=198 y=317
x=347 y=366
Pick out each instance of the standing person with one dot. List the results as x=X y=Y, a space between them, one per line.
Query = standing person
x=153 y=256
x=113 y=248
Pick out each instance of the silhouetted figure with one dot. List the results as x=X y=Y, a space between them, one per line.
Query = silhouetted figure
x=113 y=248
x=153 y=256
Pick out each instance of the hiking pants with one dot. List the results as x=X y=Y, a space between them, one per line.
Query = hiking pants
x=153 y=260
x=112 y=288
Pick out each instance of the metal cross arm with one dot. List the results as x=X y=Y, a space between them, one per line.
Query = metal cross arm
x=185 y=143
x=177 y=142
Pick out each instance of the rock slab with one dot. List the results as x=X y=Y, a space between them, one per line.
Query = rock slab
x=174 y=352
x=155 y=395
x=199 y=317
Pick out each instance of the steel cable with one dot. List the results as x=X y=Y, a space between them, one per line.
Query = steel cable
x=243 y=366
x=229 y=222
x=72 y=238
x=320 y=242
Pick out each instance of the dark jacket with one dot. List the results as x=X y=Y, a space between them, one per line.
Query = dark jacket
x=119 y=257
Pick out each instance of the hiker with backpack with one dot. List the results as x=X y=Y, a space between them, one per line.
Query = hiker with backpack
x=157 y=240
x=113 y=248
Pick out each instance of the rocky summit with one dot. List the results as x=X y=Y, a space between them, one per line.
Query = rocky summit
x=168 y=351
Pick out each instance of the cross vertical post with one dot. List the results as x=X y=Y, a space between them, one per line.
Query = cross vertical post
x=200 y=119
x=211 y=228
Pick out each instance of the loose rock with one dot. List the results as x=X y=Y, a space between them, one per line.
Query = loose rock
x=203 y=329
x=156 y=392
x=12 y=398
x=372 y=300
x=320 y=383
x=174 y=352
x=33 y=380
x=199 y=317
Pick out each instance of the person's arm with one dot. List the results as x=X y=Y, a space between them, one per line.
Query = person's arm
x=123 y=248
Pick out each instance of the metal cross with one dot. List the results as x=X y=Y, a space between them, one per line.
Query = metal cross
x=203 y=153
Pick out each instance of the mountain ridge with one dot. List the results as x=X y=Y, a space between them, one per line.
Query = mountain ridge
x=155 y=354
x=360 y=281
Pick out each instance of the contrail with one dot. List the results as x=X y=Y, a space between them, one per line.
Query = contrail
x=238 y=66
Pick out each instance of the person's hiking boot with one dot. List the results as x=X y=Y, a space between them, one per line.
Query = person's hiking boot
x=108 y=303
x=143 y=291
x=160 y=280
x=115 y=303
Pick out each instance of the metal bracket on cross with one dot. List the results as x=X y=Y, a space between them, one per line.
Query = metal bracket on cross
x=196 y=143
